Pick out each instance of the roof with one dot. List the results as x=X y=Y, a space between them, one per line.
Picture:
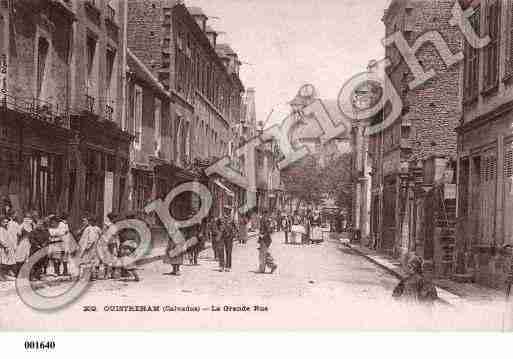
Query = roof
x=209 y=29
x=143 y=73
x=311 y=128
x=196 y=11
x=225 y=49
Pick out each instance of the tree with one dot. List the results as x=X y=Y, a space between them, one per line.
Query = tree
x=303 y=181
x=338 y=181
x=309 y=183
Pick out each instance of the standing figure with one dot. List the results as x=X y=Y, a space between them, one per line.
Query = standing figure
x=8 y=242
x=128 y=245
x=286 y=227
x=113 y=244
x=316 y=228
x=226 y=234
x=39 y=239
x=176 y=260
x=243 y=229
x=59 y=232
x=265 y=258
x=23 y=249
x=88 y=251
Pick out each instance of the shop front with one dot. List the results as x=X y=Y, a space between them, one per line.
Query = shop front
x=33 y=154
x=98 y=169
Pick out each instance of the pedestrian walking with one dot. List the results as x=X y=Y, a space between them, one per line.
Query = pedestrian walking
x=265 y=258
x=243 y=229
x=286 y=227
x=226 y=234
x=174 y=259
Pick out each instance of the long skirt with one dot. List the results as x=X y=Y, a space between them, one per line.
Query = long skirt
x=23 y=251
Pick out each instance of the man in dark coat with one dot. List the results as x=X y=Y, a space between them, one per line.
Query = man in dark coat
x=264 y=241
x=39 y=238
x=227 y=231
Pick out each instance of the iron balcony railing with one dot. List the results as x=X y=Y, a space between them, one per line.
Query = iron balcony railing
x=109 y=112
x=90 y=103
x=36 y=109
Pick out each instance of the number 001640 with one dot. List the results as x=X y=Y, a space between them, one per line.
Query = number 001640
x=39 y=345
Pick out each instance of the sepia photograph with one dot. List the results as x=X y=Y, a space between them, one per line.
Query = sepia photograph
x=256 y=165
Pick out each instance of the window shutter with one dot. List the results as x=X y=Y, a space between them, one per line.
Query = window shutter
x=509 y=52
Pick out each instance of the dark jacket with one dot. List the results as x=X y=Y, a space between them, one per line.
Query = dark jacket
x=265 y=233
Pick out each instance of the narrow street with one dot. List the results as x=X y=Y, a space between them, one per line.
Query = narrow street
x=319 y=286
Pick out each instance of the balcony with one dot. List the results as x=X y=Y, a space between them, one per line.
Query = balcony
x=90 y=103
x=109 y=112
x=35 y=109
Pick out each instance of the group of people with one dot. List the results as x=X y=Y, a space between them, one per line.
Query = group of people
x=222 y=233
x=21 y=238
x=301 y=228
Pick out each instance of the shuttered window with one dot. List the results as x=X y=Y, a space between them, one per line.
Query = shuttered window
x=508 y=73
x=491 y=53
x=471 y=64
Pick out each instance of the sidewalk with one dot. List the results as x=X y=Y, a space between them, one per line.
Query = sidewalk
x=449 y=291
x=157 y=253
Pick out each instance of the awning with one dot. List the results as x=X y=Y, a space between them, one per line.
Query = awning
x=224 y=188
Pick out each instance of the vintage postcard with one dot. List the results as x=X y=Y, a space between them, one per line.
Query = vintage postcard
x=256 y=164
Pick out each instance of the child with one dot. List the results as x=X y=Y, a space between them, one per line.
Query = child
x=88 y=241
x=127 y=248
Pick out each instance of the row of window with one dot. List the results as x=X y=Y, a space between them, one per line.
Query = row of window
x=209 y=141
x=195 y=72
x=486 y=21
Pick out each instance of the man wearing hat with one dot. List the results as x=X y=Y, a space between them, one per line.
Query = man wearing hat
x=226 y=234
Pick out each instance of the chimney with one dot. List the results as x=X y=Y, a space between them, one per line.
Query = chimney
x=199 y=16
x=211 y=35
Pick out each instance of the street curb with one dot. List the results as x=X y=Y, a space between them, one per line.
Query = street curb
x=444 y=295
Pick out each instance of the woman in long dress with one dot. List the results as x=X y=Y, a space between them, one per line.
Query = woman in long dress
x=243 y=230
x=24 y=246
x=315 y=228
x=88 y=254
x=298 y=229
x=8 y=242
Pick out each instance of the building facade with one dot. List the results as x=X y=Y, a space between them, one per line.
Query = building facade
x=485 y=149
x=423 y=133
x=201 y=76
x=63 y=144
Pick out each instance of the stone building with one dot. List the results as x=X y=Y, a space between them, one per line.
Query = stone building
x=63 y=144
x=485 y=149
x=424 y=133
x=200 y=75
x=152 y=170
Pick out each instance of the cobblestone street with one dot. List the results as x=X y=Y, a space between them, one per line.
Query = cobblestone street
x=319 y=286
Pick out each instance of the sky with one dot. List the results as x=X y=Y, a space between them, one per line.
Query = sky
x=285 y=44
